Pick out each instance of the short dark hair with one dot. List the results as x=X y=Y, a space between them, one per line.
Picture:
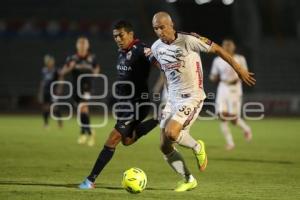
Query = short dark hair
x=123 y=24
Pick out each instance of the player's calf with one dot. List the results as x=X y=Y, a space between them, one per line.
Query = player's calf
x=113 y=139
x=166 y=146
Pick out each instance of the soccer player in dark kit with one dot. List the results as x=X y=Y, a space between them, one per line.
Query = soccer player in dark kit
x=133 y=65
x=49 y=75
x=82 y=63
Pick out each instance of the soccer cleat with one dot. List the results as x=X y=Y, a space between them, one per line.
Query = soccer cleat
x=46 y=127
x=248 y=135
x=229 y=147
x=201 y=156
x=82 y=139
x=183 y=185
x=86 y=185
x=91 y=140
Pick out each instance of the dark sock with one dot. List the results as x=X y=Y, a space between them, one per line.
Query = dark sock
x=104 y=157
x=145 y=127
x=46 y=117
x=85 y=121
x=82 y=130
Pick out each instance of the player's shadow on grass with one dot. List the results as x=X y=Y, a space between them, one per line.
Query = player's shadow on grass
x=74 y=186
x=253 y=160
x=120 y=188
x=38 y=184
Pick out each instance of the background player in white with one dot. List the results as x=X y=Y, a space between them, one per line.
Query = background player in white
x=178 y=56
x=229 y=93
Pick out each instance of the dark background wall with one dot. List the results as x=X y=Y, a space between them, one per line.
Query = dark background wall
x=267 y=33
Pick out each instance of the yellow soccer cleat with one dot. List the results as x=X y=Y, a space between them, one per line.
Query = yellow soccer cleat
x=91 y=139
x=183 y=185
x=201 y=156
x=82 y=139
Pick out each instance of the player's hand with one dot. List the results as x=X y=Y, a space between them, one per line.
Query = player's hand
x=147 y=52
x=247 y=77
x=72 y=64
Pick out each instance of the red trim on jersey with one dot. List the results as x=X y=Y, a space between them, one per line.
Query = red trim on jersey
x=191 y=116
x=199 y=72
x=132 y=44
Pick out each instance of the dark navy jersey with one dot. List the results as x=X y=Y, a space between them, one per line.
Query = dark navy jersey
x=48 y=77
x=83 y=65
x=133 y=66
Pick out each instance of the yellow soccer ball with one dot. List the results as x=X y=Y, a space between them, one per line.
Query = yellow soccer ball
x=134 y=180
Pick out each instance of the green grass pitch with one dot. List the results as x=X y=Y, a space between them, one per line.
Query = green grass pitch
x=39 y=164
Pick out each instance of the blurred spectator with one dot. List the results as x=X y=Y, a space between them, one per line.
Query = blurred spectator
x=94 y=29
x=29 y=29
x=53 y=28
x=2 y=26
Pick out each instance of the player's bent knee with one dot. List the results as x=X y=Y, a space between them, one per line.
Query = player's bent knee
x=112 y=143
x=172 y=134
x=128 y=141
x=172 y=130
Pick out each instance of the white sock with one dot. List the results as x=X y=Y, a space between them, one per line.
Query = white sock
x=176 y=161
x=190 y=178
x=242 y=124
x=227 y=134
x=186 y=140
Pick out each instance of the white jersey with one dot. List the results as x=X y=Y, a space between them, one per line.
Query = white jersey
x=226 y=74
x=182 y=64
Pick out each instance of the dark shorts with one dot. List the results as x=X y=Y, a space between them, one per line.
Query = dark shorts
x=128 y=120
x=47 y=98
x=83 y=97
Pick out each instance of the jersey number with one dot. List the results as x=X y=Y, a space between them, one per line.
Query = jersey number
x=185 y=110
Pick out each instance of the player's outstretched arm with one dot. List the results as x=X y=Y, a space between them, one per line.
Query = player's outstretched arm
x=149 y=55
x=67 y=68
x=61 y=74
x=243 y=73
x=159 y=83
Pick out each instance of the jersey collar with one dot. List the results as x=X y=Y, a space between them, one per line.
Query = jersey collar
x=169 y=43
x=130 y=45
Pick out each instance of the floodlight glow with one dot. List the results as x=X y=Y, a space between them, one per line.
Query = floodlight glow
x=171 y=1
x=227 y=2
x=200 y=2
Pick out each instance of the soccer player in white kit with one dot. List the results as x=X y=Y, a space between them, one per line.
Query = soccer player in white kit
x=179 y=58
x=229 y=93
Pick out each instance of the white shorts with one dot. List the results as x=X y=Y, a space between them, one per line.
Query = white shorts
x=184 y=111
x=229 y=102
